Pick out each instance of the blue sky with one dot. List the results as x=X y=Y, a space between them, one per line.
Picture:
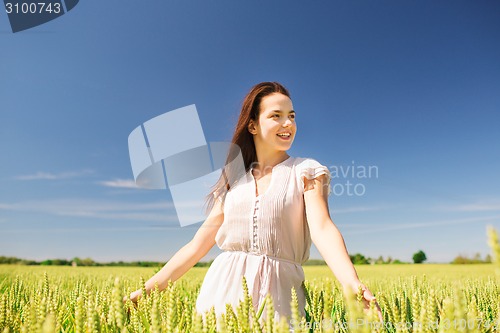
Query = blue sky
x=410 y=88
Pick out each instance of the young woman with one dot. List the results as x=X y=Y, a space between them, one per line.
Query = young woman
x=265 y=220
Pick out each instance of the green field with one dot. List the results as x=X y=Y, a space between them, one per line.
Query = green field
x=413 y=298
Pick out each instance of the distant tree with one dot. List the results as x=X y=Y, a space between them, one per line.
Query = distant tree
x=419 y=257
x=460 y=259
x=359 y=259
x=380 y=260
x=87 y=262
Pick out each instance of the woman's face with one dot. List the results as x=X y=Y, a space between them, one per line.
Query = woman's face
x=276 y=125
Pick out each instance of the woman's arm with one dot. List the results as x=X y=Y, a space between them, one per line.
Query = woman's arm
x=328 y=238
x=188 y=255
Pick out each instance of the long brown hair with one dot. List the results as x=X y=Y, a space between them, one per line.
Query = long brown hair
x=242 y=138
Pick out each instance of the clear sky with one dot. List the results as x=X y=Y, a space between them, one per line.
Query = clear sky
x=408 y=88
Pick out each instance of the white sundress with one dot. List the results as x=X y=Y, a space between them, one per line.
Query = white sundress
x=265 y=238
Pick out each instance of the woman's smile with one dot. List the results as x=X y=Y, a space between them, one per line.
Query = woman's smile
x=285 y=136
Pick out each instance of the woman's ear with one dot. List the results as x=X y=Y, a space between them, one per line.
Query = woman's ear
x=251 y=127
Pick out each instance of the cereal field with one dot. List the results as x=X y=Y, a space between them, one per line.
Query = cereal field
x=413 y=298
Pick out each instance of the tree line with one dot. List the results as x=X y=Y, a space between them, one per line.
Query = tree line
x=357 y=259
x=75 y=262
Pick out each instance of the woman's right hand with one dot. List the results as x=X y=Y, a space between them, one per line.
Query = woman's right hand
x=134 y=297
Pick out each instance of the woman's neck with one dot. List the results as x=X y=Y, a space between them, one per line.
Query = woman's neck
x=268 y=160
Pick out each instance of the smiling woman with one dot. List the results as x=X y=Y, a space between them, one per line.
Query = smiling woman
x=264 y=221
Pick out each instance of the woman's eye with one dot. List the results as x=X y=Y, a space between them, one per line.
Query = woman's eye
x=276 y=115
x=292 y=116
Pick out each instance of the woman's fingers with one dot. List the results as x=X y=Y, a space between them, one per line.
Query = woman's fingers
x=367 y=294
x=368 y=297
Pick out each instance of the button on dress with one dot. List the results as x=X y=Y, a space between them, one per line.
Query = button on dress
x=265 y=239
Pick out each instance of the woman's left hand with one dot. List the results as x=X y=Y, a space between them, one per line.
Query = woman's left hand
x=367 y=298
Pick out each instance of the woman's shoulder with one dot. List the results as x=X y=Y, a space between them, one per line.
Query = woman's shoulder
x=306 y=162
x=310 y=168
